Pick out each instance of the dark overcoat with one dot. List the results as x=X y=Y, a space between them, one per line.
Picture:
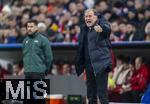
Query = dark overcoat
x=98 y=47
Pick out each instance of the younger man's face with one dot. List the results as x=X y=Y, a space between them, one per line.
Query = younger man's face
x=31 y=28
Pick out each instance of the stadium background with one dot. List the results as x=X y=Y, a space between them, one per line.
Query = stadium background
x=59 y=20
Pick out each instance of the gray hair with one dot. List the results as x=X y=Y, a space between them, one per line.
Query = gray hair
x=89 y=10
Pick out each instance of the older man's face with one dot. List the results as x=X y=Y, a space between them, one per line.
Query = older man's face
x=90 y=18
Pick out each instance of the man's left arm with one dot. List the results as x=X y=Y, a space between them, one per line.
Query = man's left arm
x=104 y=27
x=48 y=53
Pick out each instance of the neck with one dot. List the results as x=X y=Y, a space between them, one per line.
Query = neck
x=33 y=34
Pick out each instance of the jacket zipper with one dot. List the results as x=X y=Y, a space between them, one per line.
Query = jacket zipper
x=32 y=49
x=90 y=58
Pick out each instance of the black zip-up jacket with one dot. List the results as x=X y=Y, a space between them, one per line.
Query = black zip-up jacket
x=98 y=47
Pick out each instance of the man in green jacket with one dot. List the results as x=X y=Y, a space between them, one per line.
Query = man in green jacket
x=37 y=53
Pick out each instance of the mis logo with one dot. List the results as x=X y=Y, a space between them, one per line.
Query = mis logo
x=20 y=89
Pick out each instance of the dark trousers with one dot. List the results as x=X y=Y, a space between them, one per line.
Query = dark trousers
x=136 y=95
x=132 y=96
x=36 y=76
x=127 y=97
x=96 y=86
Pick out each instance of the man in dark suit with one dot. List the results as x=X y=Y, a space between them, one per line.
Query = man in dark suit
x=94 y=55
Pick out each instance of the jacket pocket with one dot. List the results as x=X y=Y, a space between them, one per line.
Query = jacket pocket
x=101 y=43
x=104 y=52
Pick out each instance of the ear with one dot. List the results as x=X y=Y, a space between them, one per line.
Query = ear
x=96 y=18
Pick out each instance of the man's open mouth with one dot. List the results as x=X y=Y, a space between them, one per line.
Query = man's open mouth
x=88 y=21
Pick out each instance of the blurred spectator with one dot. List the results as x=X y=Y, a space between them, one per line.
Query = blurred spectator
x=24 y=19
x=53 y=36
x=3 y=72
x=63 y=68
x=148 y=66
x=138 y=4
x=42 y=27
x=114 y=36
x=147 y=14
x=11 y=37
x=119 y=61
x=122 y=30
x=21 y=34
x=114 y=90
x=131 y=16
x=66 y=69
x=147 y=31
x=126 y=95
x=1 y=36
x=139 y=79
x=73 y=8
x=75 y=34
x=101 y=6
x=54 y=70
x=131 y=33
x=72 y=70
x=51 y=29
x=121 y=73
x=43 y=9
x=17 y=70
x=6 y=9
x=122 y=76
x=89 y=3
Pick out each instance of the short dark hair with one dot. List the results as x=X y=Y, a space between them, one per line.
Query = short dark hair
x=32 y=21
x=121 y=57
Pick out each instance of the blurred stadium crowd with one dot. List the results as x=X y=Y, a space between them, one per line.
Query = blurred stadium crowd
x=59 y=20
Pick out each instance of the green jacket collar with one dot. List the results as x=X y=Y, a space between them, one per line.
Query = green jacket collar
x=33 y=35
